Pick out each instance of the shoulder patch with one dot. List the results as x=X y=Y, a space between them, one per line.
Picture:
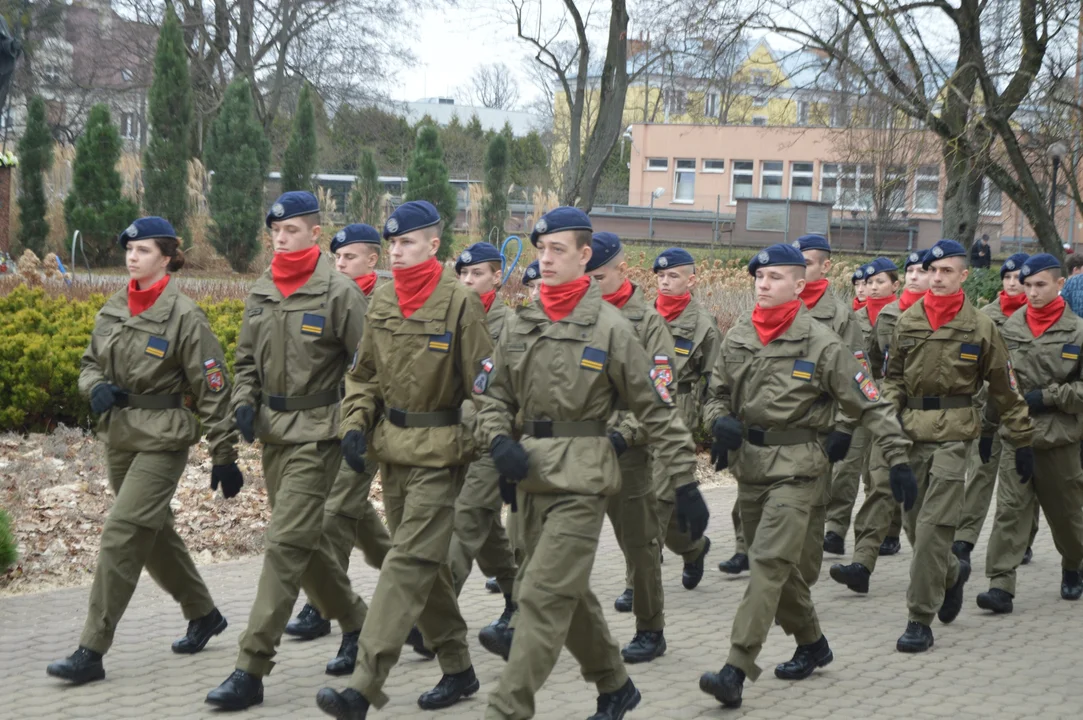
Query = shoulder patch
x=593 y=359
x=659 y=373
x=216 y=379
x=867 y=387
x=682 y=346
x=481 y=382
x=860 y=356
x=969 y=352
x=312 y=324
x=440 y=343
x=665 y=370
x=1011 y=377
x=1069 y=352
x=156 y=347
x=803 y=370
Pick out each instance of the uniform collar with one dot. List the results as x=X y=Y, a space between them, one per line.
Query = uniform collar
x=385 y=302
x=159 y=312
x=318 y=284
x=585 y=313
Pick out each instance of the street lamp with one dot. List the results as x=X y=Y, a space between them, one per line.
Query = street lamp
x=658 y=192
x=1057 y=151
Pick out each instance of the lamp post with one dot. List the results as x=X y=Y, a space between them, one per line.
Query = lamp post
x=1057 y=151
x=658 y=192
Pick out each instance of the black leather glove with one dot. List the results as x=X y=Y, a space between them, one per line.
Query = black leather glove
x=1024 y=463
x=245 y=417
x=837 y=445
x=692 y=512
x=507 y=493
x=353 y=450
x=510 y=458
x=1034 y=400
x=720 y=456
x=903 y=485
x=618 y=442
x=728 y=431
x=985 y=448
x=102 y=397
x=229 y=477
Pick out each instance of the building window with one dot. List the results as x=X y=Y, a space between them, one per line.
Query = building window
x=658 y=164
x=866 y=184
x=771 y=180
x=848 y=186
x=802 y=112
x=927 y=189
x=800 y=181
x=990 y=198
x=684 y=182
x=759 y=120
x=710 y=105
x=895 y=188
x=742 y=180
x=51 y=74
x=714 y=166
x=129 y=126
x=829 y=183
x=759 y=77
x=760 y=101
x=676 y=101
x=6 y=121
x=840 y=115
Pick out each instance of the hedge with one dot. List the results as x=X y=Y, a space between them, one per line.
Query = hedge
x=8 y=547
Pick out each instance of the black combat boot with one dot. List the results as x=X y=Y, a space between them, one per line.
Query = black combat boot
x=450 y=690
x=693 y=571
x=854 y=576
x=505 y=617
x=240 y=690
x=1071 y=585
x=1028 y=556
x=623 y=603
x=346 y=705
x=834 y=544
x=415 y=641
x=961 y=549
x=646 y=645
x=492 y=586
x=308 y=625
x=82 y=666
x=805 y=659
x=200 y=632
x=612 y=706
x=953 y=598
x=496 y=638
x=917 y=638
x=726 y=685
x=735 y=565
x=890 y=546
x=344 y=662
x=995 y=599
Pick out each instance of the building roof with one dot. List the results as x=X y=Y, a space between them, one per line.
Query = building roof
x=442 y=111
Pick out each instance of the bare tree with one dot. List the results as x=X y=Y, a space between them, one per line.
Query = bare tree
x=493 y=86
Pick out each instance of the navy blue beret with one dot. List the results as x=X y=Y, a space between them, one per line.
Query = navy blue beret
x=292 y=204
x=943 y=249
x=476 y=254
x=917 y=257
x=673 y=257
x=1013 y=263
x=1037 y=263
x=858 y=275
x=776 y=255
x=604 y=246
x=532 y=273
x=145 y=228
x=812 y=242
x=879 y=265
x=411 y=215
x=558 y=220
x=355 y=233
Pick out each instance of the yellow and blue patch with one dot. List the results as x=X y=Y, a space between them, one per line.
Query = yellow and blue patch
x=440 y=343
x=312 y=324
x=157 y=347
x=1070 y=352
x=969 y=352
x=682 y=346
x=803 y=370
x=593 y=359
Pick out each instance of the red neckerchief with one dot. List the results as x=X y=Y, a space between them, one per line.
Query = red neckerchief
x=1010 y=303
x=909 y=298
x=291 y=270
x=487 y=299
x=942 y=309
x=366 y=283
x=620 y=297
x=558 y=301
x=414 y=285
x=1041 y=319
x=770 y=323
x=873 y=306
x=859 y=304
x=813 y=292
x=671 y=306
x=140 y=300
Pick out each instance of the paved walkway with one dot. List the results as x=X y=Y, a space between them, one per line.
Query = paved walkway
x=1024 y=665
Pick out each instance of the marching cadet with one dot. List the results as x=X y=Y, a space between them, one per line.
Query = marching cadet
x=349 y=518
x=766 y=406
x=941 y=353
x=532 y=280
x=633 y=511
x=150 y=345
x=302 y=322
x=566 y=364
x=425 y=339
x=985 y=456
x=478 y=534
x=695 y=342
x=832 y=312
x=860 y=297
x=1044 y=340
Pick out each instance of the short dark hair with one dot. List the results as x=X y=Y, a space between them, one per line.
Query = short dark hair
x=1075 y=260
x=583 y=238
x=312 y=219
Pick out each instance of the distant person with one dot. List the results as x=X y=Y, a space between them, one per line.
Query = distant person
x=980 y=253
x=1073 y=285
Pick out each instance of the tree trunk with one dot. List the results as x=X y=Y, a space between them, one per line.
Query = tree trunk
x=962 y=195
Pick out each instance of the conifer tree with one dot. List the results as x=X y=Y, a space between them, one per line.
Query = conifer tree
x=35 y=159
x=427 y=179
